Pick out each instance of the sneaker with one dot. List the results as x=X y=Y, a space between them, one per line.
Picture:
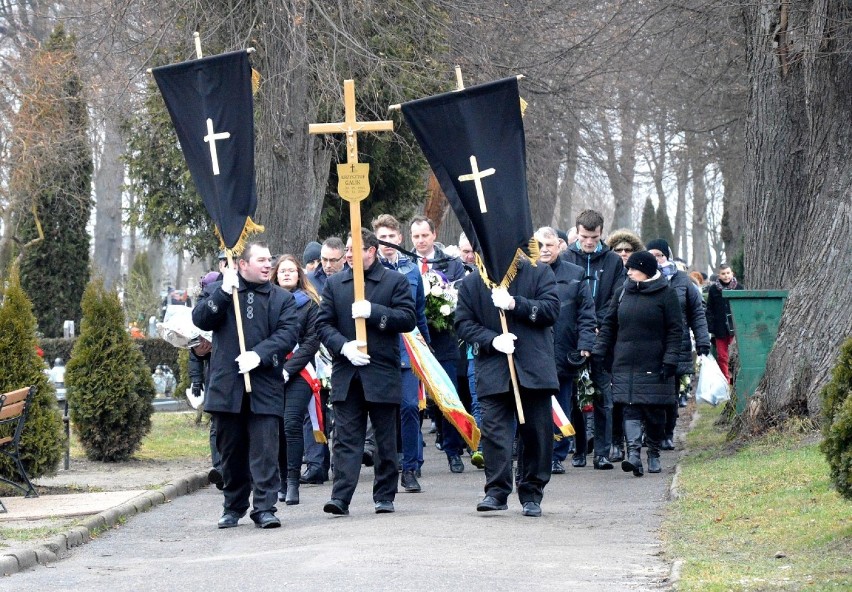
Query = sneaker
x=456 y=464
x=409 y=482
x=477 y=460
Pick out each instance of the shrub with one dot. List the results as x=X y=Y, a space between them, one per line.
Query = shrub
x=109 y=384
x=837 y=426
x=43 y=438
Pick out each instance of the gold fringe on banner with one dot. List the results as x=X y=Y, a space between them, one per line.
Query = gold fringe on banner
x=250 y=228
x=255 y=81
x=535 y=253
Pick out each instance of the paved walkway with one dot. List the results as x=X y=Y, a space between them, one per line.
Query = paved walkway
x=599 y=532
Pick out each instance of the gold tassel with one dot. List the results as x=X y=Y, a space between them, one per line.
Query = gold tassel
x=524 y=106
x=255 y=81
x=535 y=253
x=250 y=228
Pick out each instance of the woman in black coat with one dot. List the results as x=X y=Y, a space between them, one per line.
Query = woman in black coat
x=297 y=389
x=640 y=340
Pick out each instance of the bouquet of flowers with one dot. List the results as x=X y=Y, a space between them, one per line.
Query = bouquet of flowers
x=441 y=300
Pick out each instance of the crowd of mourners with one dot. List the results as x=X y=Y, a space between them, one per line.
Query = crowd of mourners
x=608 y=325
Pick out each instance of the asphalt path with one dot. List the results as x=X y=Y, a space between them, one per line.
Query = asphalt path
x=599 y=531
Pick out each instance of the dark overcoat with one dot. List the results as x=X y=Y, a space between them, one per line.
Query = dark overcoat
x=271 y=329
x=642 y=330
x=477 y=321
x=574 y=330
x=391 y=313
x=694 y=317
x=308 y=338
x=719 y=312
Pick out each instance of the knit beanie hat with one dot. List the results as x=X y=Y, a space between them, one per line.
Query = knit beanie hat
x=312 y=252
x=644 y=262
x=661 y=245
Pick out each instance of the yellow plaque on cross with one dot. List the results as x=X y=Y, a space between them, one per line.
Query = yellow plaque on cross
x=353 y=181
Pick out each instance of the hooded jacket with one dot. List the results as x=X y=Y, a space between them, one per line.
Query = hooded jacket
x=624 y=236
x=604 y=273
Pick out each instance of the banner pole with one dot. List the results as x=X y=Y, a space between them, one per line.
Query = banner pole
x=512 y=372
x=235 y=296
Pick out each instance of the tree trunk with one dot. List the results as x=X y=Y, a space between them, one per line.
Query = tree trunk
x=108 y=181
x=682 y=176
x=698 y=165
x=563 y=217
x=798 y=180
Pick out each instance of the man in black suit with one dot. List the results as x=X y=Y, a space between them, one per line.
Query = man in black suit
x=531 y=306
x=365 y=383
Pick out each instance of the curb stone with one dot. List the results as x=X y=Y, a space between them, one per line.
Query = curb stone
x=16 y=560
x=677 y=564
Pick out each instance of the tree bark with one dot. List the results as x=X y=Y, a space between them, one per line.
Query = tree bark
x=108 y=181
x=798 y=180
x=698 y=165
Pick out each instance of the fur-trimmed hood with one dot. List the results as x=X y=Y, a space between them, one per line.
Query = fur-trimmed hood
x=625 y=236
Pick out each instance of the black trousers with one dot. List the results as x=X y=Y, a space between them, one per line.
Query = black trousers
x=248 y=446
x=291 y=442
x=350 y=428
x=654 y=417
x=499 y=420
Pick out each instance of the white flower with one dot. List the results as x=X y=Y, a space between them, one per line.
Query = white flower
x=446 y=310
x=436 y=291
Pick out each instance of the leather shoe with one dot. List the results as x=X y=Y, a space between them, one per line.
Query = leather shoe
x=556 y=468
x=456 y=464
x=489 y=504
x=384 y=507
x=266 y=520
x=578 y=461
x=229 y=520
x=667 y=444
x=633 y=463
x=409 y=482
x=313 y=477
x=532 y=509
x=367 y=458
x=654 y=464
x=215 y=477
x=616 y=454
x=602 y=463
x=336 y=506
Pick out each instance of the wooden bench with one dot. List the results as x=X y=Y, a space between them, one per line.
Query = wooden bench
x=14 y=406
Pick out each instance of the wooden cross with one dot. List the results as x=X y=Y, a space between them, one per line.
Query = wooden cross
x=353 y=183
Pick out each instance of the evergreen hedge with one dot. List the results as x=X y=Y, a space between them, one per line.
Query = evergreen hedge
x=43 y=439
x=837 y=425
x=109 y=384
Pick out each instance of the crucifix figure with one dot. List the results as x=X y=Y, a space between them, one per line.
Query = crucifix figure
x=476 y=176
x=212 y=137
x=353 y=185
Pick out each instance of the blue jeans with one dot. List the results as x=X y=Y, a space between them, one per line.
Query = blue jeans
x=409 y=422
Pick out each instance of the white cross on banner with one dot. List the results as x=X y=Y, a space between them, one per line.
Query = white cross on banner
x=476 y=176
x=212 y=137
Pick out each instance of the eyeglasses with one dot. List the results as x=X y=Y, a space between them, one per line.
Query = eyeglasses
x=624 y=250
x=329 y=260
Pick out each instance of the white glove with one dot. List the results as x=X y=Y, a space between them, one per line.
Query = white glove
x=356 y=356
x=361 y=309
x=286 y=376
x=502 y=299
x=504 y=343
x=230 y=281
x=248 y=361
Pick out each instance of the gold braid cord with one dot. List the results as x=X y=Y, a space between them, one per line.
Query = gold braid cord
x=533 y=248
x=250 y=228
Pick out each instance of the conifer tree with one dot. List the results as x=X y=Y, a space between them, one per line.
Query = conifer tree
x=664 y=228
x=649 y=222
x=43 y=438
x=109 y=384
x=140 y=300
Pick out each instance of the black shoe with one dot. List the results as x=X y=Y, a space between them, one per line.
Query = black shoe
x=633 y=463
x=654 y=464
x=489 y=504
x=367 y=458
x=532 y=509
x=291 y=497
x=337 y=507
x=579 y=461
x=229 y=519
x=556 y=468
x=616 y=454
x=418 y=474
x=313 y=477
x=215 y=477
x=682 y=401
x=409 y=482
x=384 y=507
x=456 y=464
x=266 y=520
x=602 y=463
x=667 y=444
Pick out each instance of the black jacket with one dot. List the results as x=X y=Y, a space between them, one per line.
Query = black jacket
x=308 y=339
x=391 y=313
x=477 y=322
x=575 y=328
x=719 y=321
x=604 y=271
x=642 y=330
x=271 y=329
x=692 y=311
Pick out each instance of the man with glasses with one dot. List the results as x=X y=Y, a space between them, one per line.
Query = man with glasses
x=331 y=261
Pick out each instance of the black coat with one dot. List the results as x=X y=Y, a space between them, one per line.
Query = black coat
x=477 y=321
x=391 y=313
x=694 y=317
x=642 y=330
x=308 y=339
x=719 y=321
x=604 y=274
x=271 y=332
x=574 y=330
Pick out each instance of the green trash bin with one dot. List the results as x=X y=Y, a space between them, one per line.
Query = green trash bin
x=757 y=314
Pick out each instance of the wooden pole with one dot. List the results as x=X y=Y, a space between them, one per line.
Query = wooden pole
x=235 y=296
x=513 y=372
